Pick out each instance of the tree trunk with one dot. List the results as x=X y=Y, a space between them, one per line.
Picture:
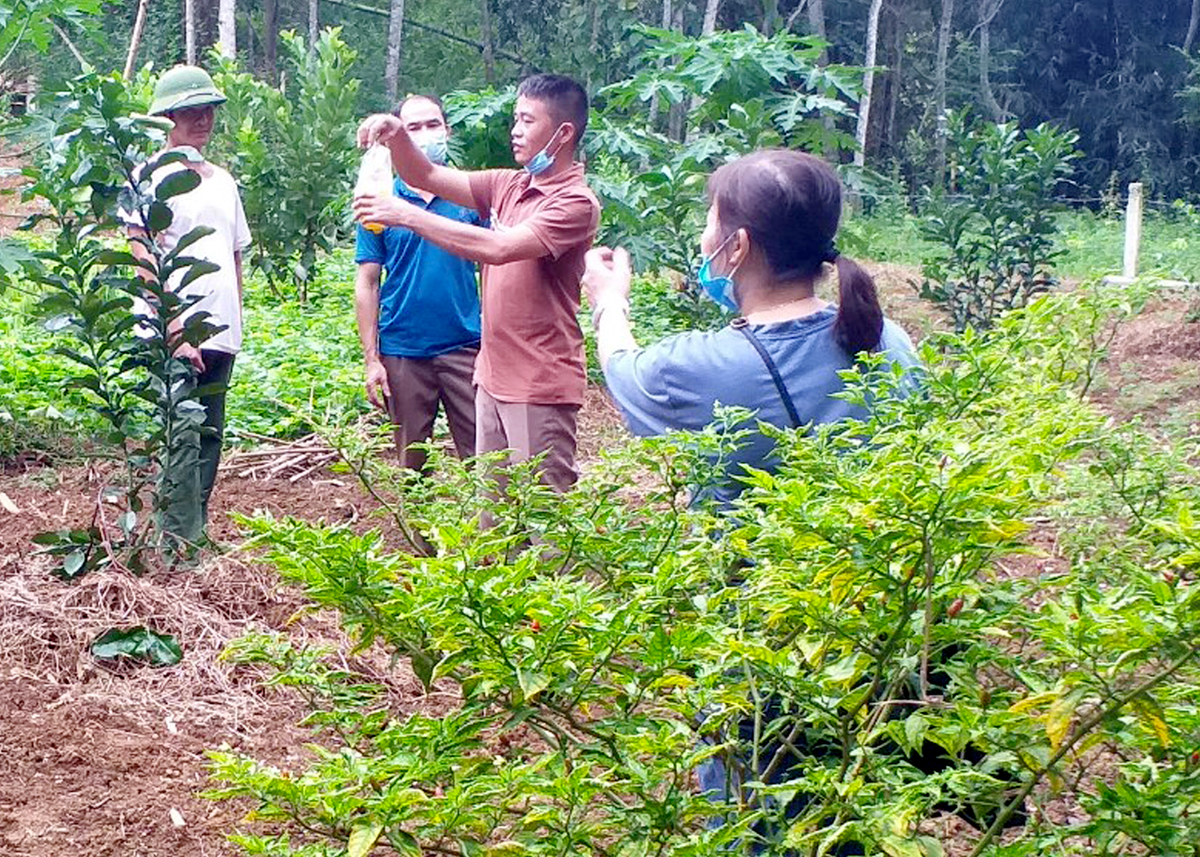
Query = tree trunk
x=666 y=25
x=485 y=36
x=227 y=28
x=677 y=116
x=270 y=38
x=189 y=31
x=135 y=41
x=707 y=28
x=939 y=88
x=395 y=42
x=894 y=78
x=864 y=106
x=1193 y=24
x=816 y=23
x=988 y=9
x=62 y=34
x=313 y=25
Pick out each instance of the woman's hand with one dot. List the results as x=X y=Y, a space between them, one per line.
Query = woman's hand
x=607 y=275
x=378 y=128
x=384 y=210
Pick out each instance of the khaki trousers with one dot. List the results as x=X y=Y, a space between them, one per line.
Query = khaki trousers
x=416 y=385
x=528 y=430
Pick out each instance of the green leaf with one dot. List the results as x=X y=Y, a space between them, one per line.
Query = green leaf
x=363 y=838
x=531 y=683
x=159 y=217
x=137 y=643
x=183 y=181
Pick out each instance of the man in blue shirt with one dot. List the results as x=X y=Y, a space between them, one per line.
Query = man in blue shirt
x=420 y=329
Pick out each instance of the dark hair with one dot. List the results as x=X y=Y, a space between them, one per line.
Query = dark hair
x=791 y=204
x=564 y=97
x=417 y=96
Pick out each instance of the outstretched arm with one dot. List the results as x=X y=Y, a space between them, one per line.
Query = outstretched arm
x=410 y=162
x=491 y=247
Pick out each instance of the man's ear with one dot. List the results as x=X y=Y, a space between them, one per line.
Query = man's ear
x=739 y=247
x=571 y=135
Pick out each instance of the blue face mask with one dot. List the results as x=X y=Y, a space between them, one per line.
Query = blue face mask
x=436 y=150
x=543 y=160
x=718 y=289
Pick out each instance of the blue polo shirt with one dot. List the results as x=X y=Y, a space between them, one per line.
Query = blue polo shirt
x=429 y=299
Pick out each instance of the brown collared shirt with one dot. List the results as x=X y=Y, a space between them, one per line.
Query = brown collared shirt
x=532 y=345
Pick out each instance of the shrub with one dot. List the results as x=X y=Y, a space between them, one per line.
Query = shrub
x=845 y=645
x=133 y=384
x=995 y=227
x=293 y=151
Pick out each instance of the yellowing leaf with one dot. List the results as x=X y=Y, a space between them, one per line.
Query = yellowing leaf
x=1151 y=715
x=1030 y=702
x=362 y=839
x=1058 y=719
x=531 y=683
x=894 y=846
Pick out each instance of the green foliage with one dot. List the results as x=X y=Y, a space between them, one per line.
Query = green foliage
x=602 y=644
x=31 y=22
x=299 y=359
x=739 y=90
x=293 y=151
x=137 y=644
x=481 y=123
x=995 y=229
x=133 y=383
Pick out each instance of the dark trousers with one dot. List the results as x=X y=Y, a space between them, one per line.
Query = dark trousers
x=190 y=484
x=415 y=388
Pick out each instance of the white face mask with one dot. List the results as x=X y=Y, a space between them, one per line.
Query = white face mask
x=436 y=147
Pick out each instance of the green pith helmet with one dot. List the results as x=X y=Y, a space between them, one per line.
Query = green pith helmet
x=184 y=86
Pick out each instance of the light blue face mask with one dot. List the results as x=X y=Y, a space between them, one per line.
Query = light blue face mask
x=543 y=160
x=436 y=150
x=718 y=289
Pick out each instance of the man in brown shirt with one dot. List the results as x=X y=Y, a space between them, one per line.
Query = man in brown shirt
x=530 y=374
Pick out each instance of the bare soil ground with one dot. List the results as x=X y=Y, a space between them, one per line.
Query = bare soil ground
x=96 y=763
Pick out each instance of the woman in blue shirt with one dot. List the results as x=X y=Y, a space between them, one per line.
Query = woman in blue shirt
x=772 y=219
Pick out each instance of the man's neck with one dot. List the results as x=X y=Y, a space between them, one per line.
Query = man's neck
x=556 y=170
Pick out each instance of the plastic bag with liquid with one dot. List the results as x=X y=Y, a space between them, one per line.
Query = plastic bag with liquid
x=375 y=177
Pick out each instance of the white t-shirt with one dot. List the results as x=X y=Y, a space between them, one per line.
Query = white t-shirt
x=215 y=203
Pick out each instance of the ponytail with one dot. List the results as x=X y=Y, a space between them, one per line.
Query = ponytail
x=859 y=323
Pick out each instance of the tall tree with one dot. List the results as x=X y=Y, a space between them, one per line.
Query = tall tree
x=939 y=86
x=988 y=10
x=189 y=31
x=485 y=36
x=135 y=40
x=665 y=24
x=1193 y=24
x=270 y=38
x=395 y=40
x=864 y=105
x=816 y=23
x=227 y=28
x=313 y=25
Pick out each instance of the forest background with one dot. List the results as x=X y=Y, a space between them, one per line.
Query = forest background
x=1119 y=72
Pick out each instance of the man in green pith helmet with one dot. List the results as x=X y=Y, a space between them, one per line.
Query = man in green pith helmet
x=187 y=96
